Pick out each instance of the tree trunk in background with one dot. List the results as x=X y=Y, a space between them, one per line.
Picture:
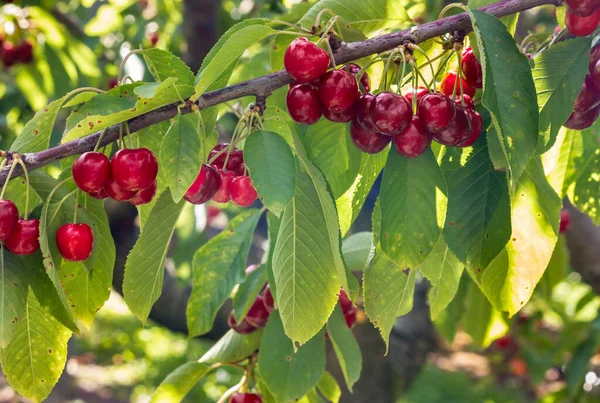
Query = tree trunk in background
x=200 y=28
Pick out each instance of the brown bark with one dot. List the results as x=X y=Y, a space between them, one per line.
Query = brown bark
x=200 y=28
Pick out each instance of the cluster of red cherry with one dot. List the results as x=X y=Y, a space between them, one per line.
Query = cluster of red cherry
x=19 y=235
x=379 y=119
x=223 y=180
x=587 y=104
x=582 y=16
x=11 y=54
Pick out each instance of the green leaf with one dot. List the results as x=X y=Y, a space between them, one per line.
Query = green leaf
x=35 y=358
x=273 y=223
x=149 y=90
x=218 y=266
x=180 y=153
x=508 y=91
x=345 y=346
x=388 y=292
x=36 y=134
x=356 y=249
x=179 y=382
x=558 y=77
x=580 y=363
x=329 y=147
x=272 y=169
x=413 y=205
x=287 y=374
x=566 y=159
x=232 y=347
x=329 y=388
x=443 y=270
x=247 y=292
x=80 y=98
x=557 y=270
x=163 y=65
x=447 y=321
x=13 y=294
x=479 y=317
x=145 y=266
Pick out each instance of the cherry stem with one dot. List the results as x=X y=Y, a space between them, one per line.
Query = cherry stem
x=232 y=109
x=403 y=69
x=289 y=24
x=331 y=56
x=122 y=66
x=318 y=19
x=75 y=208
x=327 y=30
x=10 y=172
x=429 y=62
x=232 y=390
x=552 y=42
x=428 y=84
x=383 y=84
x=414 y=92
x=442 y=66
x=453 y=5
x=20 y=162
x=459 y=78
x=363 y=70
x=100 y=139
x=128 y=134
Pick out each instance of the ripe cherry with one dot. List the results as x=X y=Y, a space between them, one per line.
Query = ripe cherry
x=154 y=38
x=223 y=195
x=91 y=171
x=9 y=216
x=583 y=8
x=241 y=328
x=364 y=79
x=594 y=57
x=582 y=26
x=304 y=61
x=8 y=54
x=338 y=90
x=595 y=74
x=235 y=160
x=466 y=101
x=565 y=221
x=341 y=117
x=75 y=241
x=457 y=131
x=100 y=195
x=268 y=299
x=242 y=191
x=588 y=96
x=476 y=128
x=368 y=141
x=412 y=141
x=24 y=52
x=258 y=314
x=144 y=196
x=112 y=83
x=436 y=111
x=205 y=185
x=134 y=169
x=24 y=239
x=391 y=113
x=350 y=318
x=116 y=192
x=448 y=82
x=245 y=398
x=471 y=68
x=582 y=121
x=362 y=108
x=345 y=302
x=421 y=92
x=303 y=104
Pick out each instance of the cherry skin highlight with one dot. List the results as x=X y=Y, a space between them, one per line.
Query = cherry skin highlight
x=457 y=131
x=583 y=8
x=235 y=160
x=448 y=82
x=24 y=239
x=582 y=121
x=134 y=169
x=205 y=185
x=594 y=57
x=91 y=171
x=100 y=195
x=268 y=299
x=565 y=221
x=303 y=104
x=413 y=141
x=582 y=26
x=223 y=195
x=304 y=61
x=588 y=97
x=243 y=192
x=476 y=128
x=421 y=92
x=338 y=90
x=364 y=79
x=436 y=111
x=391 y=113
x=368 y=141
x=9 y=216
x=362 y=109
x=471 y=68
x=144 y=196
x=341 y=117
x=241 y=328
x=258 y=314
x=466 y=100
x=116 y=192
x=75 y=241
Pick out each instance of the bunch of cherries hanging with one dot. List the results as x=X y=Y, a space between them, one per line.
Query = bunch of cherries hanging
x=582 y=17
x=587 y=105
x=410 y=121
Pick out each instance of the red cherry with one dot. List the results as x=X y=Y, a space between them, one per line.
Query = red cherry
x=91 y=171
x=223 y=195
x=304 y=61
x=154 y=37
x=583 y=8
x=436 y=111
x=24 y=239
x=242 y=191
x=476 y=128
x=471 y=68
x=100 y=195
x=362 y=108
x=595 y=74
x=588 y=97
x=134 y=169
x=565 y=221
x=241 y=328
x=205 y=185
x=345 y=302
x=504 y=342
x=235 y=160
x=75 y=241
x=245 y=398
x=421 y=92
x=341 y=117
x=144 y=196
x=368 y=141
x=303 y=104
x=364 y=79
x=582 y=26
x=457 y=131
x=582 y=121
x=350 y=318
x=391 y=113
x=338 y=90
x=8 y=54
x=268 y=299
x=112 y=83
x=594 y=57
x=413 y=141
x=9 y=216
x=258 y=314
x=24 y=52
x=466 y=100
x=448 y=82
x=116 y=192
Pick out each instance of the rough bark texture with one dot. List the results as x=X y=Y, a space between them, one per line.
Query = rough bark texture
x=200 y=28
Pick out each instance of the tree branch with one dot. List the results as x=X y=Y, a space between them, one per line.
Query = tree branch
x=263 y=86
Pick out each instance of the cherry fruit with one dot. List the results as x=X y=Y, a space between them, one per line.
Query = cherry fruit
x=582 y=26
x=471 y=68
x=364 y=79
x=242 y=328
x=234 y=162
x=24 y=239
x=476 y=128
x=100 y=195
x=304 y=61
x=144 y=196
x=344 y=301
x=391 y=113
x=457 y=131
x=8 y=54
x=436 y=111
x=583 y=8
x=75 y=241
x=350 y=318
x=565 y=221
x=449 y=81
x=134 y=169
x=242 y=191
x=245 y=398
x=588 y=97
x=341 y=117
x=595 y=74
x=24 y=52
x=421 y=92
x=338 y=90
x=582 y=121
x=223 y=195
x=412 y=141
x=594 y=57
x=368 y=141
x=9 y=216
x=258 y=314
x=205 y=185
x=116 y=192
x=268 y=299
x=466 y=101
x=303 y=104
x=362 y=109
x=91 y=171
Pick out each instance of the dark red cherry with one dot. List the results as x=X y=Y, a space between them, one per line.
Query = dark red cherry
x=144 y=196
x=268 y=299
x=588 y=97
x=205 y=185
x=258 y=314
x=412 y=141
x=75 y=241
x=245 y=398
x=223 y=195
x=565 y=221
x=24 y=52
x=241 y=328
x=476 y=128
x=436 y=111
x=91 y=171
x=303 y=104
x=448 y=82
x=362 y=108
x=391 y=113
x=582 y=121
x=594 y=57
x=154 y=38
x=364 y=79
x=471 y=68
x=345 y=302
x=341 y=117
x=8 y=54
x=457 y=131
x=100 y=195
x=9 y=216
x=134 y=169
x=112 y=83
x=350 y=318
x=338 y=90
x=304 y=61
x=421 y=92
x=582 y=26
x=595 y=74
x=583 y=8
x=243 y=192
x=368 y=141
x=235 y=160
x=24 y=239
x=116 y=192
x=466 y=101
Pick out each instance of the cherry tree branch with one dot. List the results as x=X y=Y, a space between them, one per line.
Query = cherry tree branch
x=265 y=85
